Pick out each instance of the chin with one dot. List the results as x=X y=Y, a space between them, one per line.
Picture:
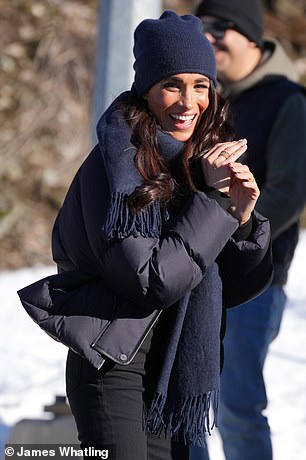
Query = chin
x=182 y=137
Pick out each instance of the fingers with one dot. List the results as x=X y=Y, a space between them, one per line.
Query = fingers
x=241 y=171
x=242 y=174
x=227 y=151
x=217 y=171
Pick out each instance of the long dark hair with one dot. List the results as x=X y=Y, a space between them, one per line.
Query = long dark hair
x=158 y=184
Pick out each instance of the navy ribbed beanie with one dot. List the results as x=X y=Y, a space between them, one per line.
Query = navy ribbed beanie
x=170 y=45
x=246 y=15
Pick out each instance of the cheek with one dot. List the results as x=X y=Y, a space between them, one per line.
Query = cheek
x=157 y=105
x=203 y=104
x=237 y=49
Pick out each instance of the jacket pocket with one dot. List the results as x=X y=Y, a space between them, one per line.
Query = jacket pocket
x=123 y=337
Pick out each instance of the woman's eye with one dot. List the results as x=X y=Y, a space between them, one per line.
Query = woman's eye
x=171 y=85
x=202 y=86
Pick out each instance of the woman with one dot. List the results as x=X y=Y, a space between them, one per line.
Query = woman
x=156 y=234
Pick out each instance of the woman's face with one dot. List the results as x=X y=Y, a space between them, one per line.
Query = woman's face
x=178 y=103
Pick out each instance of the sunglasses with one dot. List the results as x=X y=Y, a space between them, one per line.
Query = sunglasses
x=217 y=28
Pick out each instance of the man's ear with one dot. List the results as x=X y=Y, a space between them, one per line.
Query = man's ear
x=253 y=44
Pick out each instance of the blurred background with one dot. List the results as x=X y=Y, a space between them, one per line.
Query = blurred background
x=48 y=65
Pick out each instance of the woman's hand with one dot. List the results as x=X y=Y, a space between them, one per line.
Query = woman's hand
x=243 y=191
x=215 y=163
x=234 y=179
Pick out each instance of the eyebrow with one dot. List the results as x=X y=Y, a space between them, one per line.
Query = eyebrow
x=197 y=80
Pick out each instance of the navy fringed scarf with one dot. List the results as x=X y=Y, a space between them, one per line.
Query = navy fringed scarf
x=188 y=383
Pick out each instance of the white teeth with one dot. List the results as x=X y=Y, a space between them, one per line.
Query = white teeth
x=182 y=117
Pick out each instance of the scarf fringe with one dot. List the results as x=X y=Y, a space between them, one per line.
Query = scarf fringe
x=120 y=222
x=191 y=420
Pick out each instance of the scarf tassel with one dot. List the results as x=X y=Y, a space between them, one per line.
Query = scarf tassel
x=120 y=222
x=191 y=420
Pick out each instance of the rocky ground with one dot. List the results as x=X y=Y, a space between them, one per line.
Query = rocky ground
x=46 y=81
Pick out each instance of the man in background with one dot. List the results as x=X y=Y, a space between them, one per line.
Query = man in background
x=270 y=111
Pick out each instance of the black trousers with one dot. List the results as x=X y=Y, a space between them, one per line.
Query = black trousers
x=108 y=405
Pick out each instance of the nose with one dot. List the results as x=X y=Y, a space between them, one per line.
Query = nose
x=210 y=37
x=186 y=99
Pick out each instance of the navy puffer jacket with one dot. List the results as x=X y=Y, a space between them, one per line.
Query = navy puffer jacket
x=109 y=293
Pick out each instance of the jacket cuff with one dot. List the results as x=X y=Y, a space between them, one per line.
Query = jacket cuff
x=222 y=199
x=244 y=231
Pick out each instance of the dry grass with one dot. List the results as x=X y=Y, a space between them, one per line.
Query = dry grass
x=46 y=75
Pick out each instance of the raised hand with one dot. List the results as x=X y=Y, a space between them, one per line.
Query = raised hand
x=215 y=163
x=243 y=191
x=222 y=172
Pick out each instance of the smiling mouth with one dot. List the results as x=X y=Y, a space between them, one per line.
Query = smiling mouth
x=182 y=118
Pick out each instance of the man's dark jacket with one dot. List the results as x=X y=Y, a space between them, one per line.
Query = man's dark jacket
x=270 y=111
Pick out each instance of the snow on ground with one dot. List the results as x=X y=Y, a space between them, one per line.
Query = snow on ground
x=32 y=364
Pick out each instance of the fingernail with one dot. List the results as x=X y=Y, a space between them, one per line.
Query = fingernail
x=242 y=140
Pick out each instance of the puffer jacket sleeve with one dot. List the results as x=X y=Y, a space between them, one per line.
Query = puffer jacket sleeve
x=156 y=272
x=246 y=266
